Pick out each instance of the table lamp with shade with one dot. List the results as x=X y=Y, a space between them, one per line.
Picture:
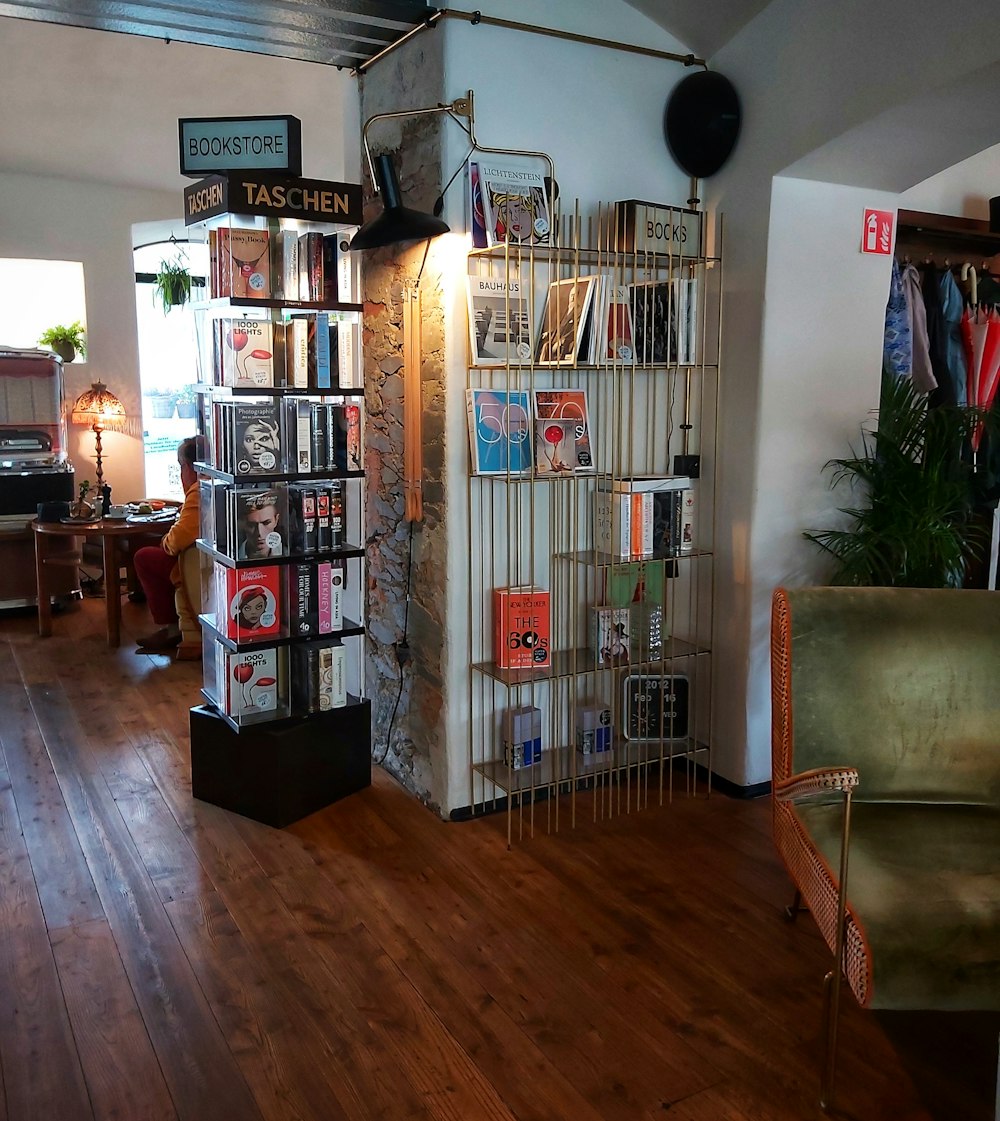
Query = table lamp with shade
x=99 y=408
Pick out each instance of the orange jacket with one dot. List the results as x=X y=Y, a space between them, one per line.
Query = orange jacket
x=184 y=532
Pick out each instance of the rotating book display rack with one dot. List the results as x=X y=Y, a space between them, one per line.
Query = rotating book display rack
x=285 y=729
x=592 y=412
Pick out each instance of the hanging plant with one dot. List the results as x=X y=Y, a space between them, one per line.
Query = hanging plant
x=173 y=285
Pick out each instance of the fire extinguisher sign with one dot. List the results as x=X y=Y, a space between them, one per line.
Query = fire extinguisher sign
x=876 y=235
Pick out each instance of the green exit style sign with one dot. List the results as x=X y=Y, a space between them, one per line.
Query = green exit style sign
x=212 y=145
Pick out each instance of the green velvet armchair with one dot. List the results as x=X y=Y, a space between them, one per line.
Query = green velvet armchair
x=886 y=790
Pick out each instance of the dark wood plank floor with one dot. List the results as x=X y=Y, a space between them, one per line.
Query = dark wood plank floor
x=161 y=958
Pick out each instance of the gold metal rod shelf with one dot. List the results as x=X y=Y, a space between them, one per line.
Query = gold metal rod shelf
x=478 y=19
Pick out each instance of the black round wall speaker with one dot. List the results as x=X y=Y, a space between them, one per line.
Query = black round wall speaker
x=702 y=122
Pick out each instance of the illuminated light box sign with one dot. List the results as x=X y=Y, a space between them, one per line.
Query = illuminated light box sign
x=212 y=145
x=273 y=196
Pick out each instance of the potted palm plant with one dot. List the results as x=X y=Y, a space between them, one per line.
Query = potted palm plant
x=915 y=525
x=173 y=285
x=67 y=342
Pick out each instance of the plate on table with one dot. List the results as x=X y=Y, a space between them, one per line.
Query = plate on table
x=146 y=519
x=79 y=521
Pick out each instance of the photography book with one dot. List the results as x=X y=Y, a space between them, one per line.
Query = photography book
x=565 y=321
x=515 y=206
x=613 y=334
x=568 y=404
x=257 y=438
x=499 y=324
x=500 y=432
x=311 y=267
x=260 y=520
x=665 y=321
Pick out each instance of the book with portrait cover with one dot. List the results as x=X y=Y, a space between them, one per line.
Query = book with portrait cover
x=515 y=206
x=565 y=321
x=249 y=599
x=569 y=404
x=500 y=436
x=257 y=440
x=244 y=263
x=260 y=518
x=499 y=322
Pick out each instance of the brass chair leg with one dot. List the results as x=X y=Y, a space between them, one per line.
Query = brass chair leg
x=794 y=909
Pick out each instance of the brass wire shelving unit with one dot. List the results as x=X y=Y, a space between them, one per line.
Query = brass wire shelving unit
x=531 y=529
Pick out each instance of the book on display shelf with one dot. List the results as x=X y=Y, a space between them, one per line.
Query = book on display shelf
x=287 y=264
x=311 y=266
x=567 y=405
x=563 y=338
x=319 y=677
x=350 y=374
x=256 y=438
x=521 y=627
x=499 y=322
x=259 y=518
x=499 y=431
x=249 y=681
x=246 y=352
x=244 y=265
x=515 y=206
x=249 y=601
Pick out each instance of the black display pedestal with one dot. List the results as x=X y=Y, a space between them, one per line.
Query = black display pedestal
x=279 y=773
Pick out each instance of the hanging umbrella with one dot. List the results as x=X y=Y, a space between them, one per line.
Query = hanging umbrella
x=981 y=337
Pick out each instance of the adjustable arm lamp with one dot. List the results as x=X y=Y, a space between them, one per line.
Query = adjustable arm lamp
x=400 y=223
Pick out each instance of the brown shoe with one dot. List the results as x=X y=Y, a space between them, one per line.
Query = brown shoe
x=159 y=642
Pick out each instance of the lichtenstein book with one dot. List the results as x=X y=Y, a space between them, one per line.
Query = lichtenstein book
x=247 y=351
x=568 y=404
x=564 y=321
x=499 y=324
x=499 y=431
x=244 y=263
x=521 y=628
x=515 y=206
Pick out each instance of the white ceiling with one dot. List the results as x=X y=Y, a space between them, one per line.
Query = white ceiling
x=704 y=25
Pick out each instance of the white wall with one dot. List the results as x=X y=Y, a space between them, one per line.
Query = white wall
x=88 y=146
x=964 y=189
x=812 y=77
x=599 y=114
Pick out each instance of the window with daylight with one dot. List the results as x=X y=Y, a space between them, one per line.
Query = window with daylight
x=36 y=295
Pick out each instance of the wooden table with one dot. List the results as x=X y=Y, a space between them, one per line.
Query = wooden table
x=113 y=534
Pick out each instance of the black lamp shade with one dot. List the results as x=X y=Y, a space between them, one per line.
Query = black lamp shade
x=396 y=222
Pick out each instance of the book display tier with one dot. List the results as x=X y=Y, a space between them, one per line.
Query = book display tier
x=592 y=402
x=281 y=414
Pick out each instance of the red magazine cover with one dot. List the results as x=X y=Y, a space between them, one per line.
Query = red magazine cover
x=251 y=600
x=521 y=628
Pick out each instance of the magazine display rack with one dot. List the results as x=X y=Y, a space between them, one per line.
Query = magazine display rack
x=285 y=729
x=592 y=411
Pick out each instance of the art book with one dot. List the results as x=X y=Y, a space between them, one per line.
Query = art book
x=252 y=683
x=568 y=404
x=499 y=322
x=244 y=263
x=515 y=206
x=499 y=431
x=260 y=517
x=614 y=334
x=246 y=350
x=257 y=441
x=249 y=598
x=564 y=321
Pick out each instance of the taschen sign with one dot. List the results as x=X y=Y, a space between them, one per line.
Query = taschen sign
x=273 y=196
x=213 y=145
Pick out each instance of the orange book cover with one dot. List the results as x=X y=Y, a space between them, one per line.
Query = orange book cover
x=521 y=628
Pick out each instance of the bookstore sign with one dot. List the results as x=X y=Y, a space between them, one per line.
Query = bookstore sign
x=212 y=145
x=648 y=227
x=273 y=196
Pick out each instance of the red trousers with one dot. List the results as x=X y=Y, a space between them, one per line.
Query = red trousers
x=153 y=567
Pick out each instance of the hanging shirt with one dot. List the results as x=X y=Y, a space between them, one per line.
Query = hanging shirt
x=921 y=372
x=897 y=348
x=951 y=311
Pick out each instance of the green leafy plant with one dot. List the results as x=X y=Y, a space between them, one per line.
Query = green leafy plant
x=173 y=285
x=916 y=527
x=71 y=337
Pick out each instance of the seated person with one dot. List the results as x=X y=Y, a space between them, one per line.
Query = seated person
x=156 y=565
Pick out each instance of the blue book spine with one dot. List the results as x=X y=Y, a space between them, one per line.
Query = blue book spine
x=322 y=350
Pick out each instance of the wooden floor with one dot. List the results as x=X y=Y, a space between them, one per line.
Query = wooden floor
x=161 y=958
